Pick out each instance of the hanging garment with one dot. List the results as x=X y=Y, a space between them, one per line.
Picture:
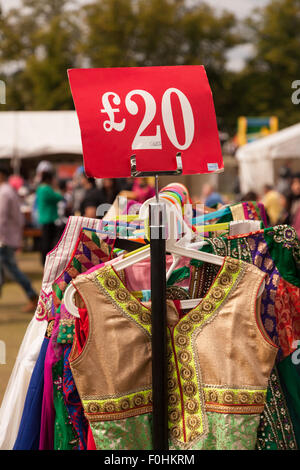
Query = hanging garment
x=220 y=361
x=14 y=398
x=275 y=251
x=247 y=210
x=289 y=373
x=287 y=311
x=65 y=437
x=29 y=431
x=276 y=430
x=89 y=250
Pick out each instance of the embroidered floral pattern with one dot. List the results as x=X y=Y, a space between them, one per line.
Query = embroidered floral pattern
x=287 y=237
x=187 y=418
x=234 y=400
x=43 y=310
x=66 y=331
x=118 y=407
x=287 y=309
x=108 y=281
x=49 y=328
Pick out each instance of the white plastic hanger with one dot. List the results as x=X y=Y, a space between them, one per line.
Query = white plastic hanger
x=175 y=244
x=172 y=212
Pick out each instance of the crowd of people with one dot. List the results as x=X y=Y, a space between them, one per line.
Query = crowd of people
x=282 y=201
x=46 y=203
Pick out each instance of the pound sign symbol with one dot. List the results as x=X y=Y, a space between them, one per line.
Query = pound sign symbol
x=111 y=124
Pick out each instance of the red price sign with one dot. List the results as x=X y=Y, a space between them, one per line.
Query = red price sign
x=151 y=112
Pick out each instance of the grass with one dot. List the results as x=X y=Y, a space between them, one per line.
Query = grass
x=13 y=322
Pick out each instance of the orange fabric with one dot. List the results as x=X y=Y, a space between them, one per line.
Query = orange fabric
x=287 y=310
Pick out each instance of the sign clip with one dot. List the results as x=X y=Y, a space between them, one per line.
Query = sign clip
x=136 y=173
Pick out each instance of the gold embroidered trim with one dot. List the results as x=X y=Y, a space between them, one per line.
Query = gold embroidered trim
x=49 y=329
x=119 y=415
x=234 y=398
x=187 y=418
x=43 y=310
x=127 y=405
x=248 y=410
x=112 y=286
x=67 y=322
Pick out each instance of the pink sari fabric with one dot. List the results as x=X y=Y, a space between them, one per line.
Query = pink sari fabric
x=53 y=354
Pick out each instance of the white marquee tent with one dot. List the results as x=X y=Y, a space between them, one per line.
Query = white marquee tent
x=257 y=159
x=25 y=134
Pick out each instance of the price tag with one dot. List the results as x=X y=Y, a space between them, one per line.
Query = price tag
x=151 y=112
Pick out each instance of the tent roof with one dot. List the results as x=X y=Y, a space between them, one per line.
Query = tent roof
x=34 y=133
x=282 y=144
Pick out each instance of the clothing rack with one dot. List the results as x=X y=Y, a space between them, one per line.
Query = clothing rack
x=157 y=231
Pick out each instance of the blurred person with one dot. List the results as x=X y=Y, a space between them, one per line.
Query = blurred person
x=125 y=184
x=11 y=232
x=64 y=207
x=16 y=182
x=43 y=167
x=141 y=190
x=210 y=197
x=95 y=196
x=47 y=204
x=295 y=203
x=250 y=196
x=284 y=180
x=285 y=214
x=109 y=190
x=78 y=191
x=272 y=203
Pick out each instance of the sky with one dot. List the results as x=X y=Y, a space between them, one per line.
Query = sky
x=241 y=8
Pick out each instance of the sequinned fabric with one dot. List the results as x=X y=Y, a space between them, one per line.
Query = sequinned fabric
x=275 y=431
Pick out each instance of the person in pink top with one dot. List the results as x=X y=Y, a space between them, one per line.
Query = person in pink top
x=140 y=192
x=11 y=230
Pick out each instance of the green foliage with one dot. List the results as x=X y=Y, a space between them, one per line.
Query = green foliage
x=42 y=39
x=267 y=79
x=39 y=44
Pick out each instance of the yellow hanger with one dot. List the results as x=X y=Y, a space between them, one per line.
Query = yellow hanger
x=213 y=227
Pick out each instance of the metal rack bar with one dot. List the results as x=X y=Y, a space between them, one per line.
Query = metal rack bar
x=157 y=229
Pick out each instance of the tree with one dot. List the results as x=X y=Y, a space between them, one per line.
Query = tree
x=264 y=87
x=39 y=44
x=41 y=40
x=161 y=32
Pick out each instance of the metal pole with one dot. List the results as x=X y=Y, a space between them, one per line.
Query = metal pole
x=159 y=324
x=157 y=229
